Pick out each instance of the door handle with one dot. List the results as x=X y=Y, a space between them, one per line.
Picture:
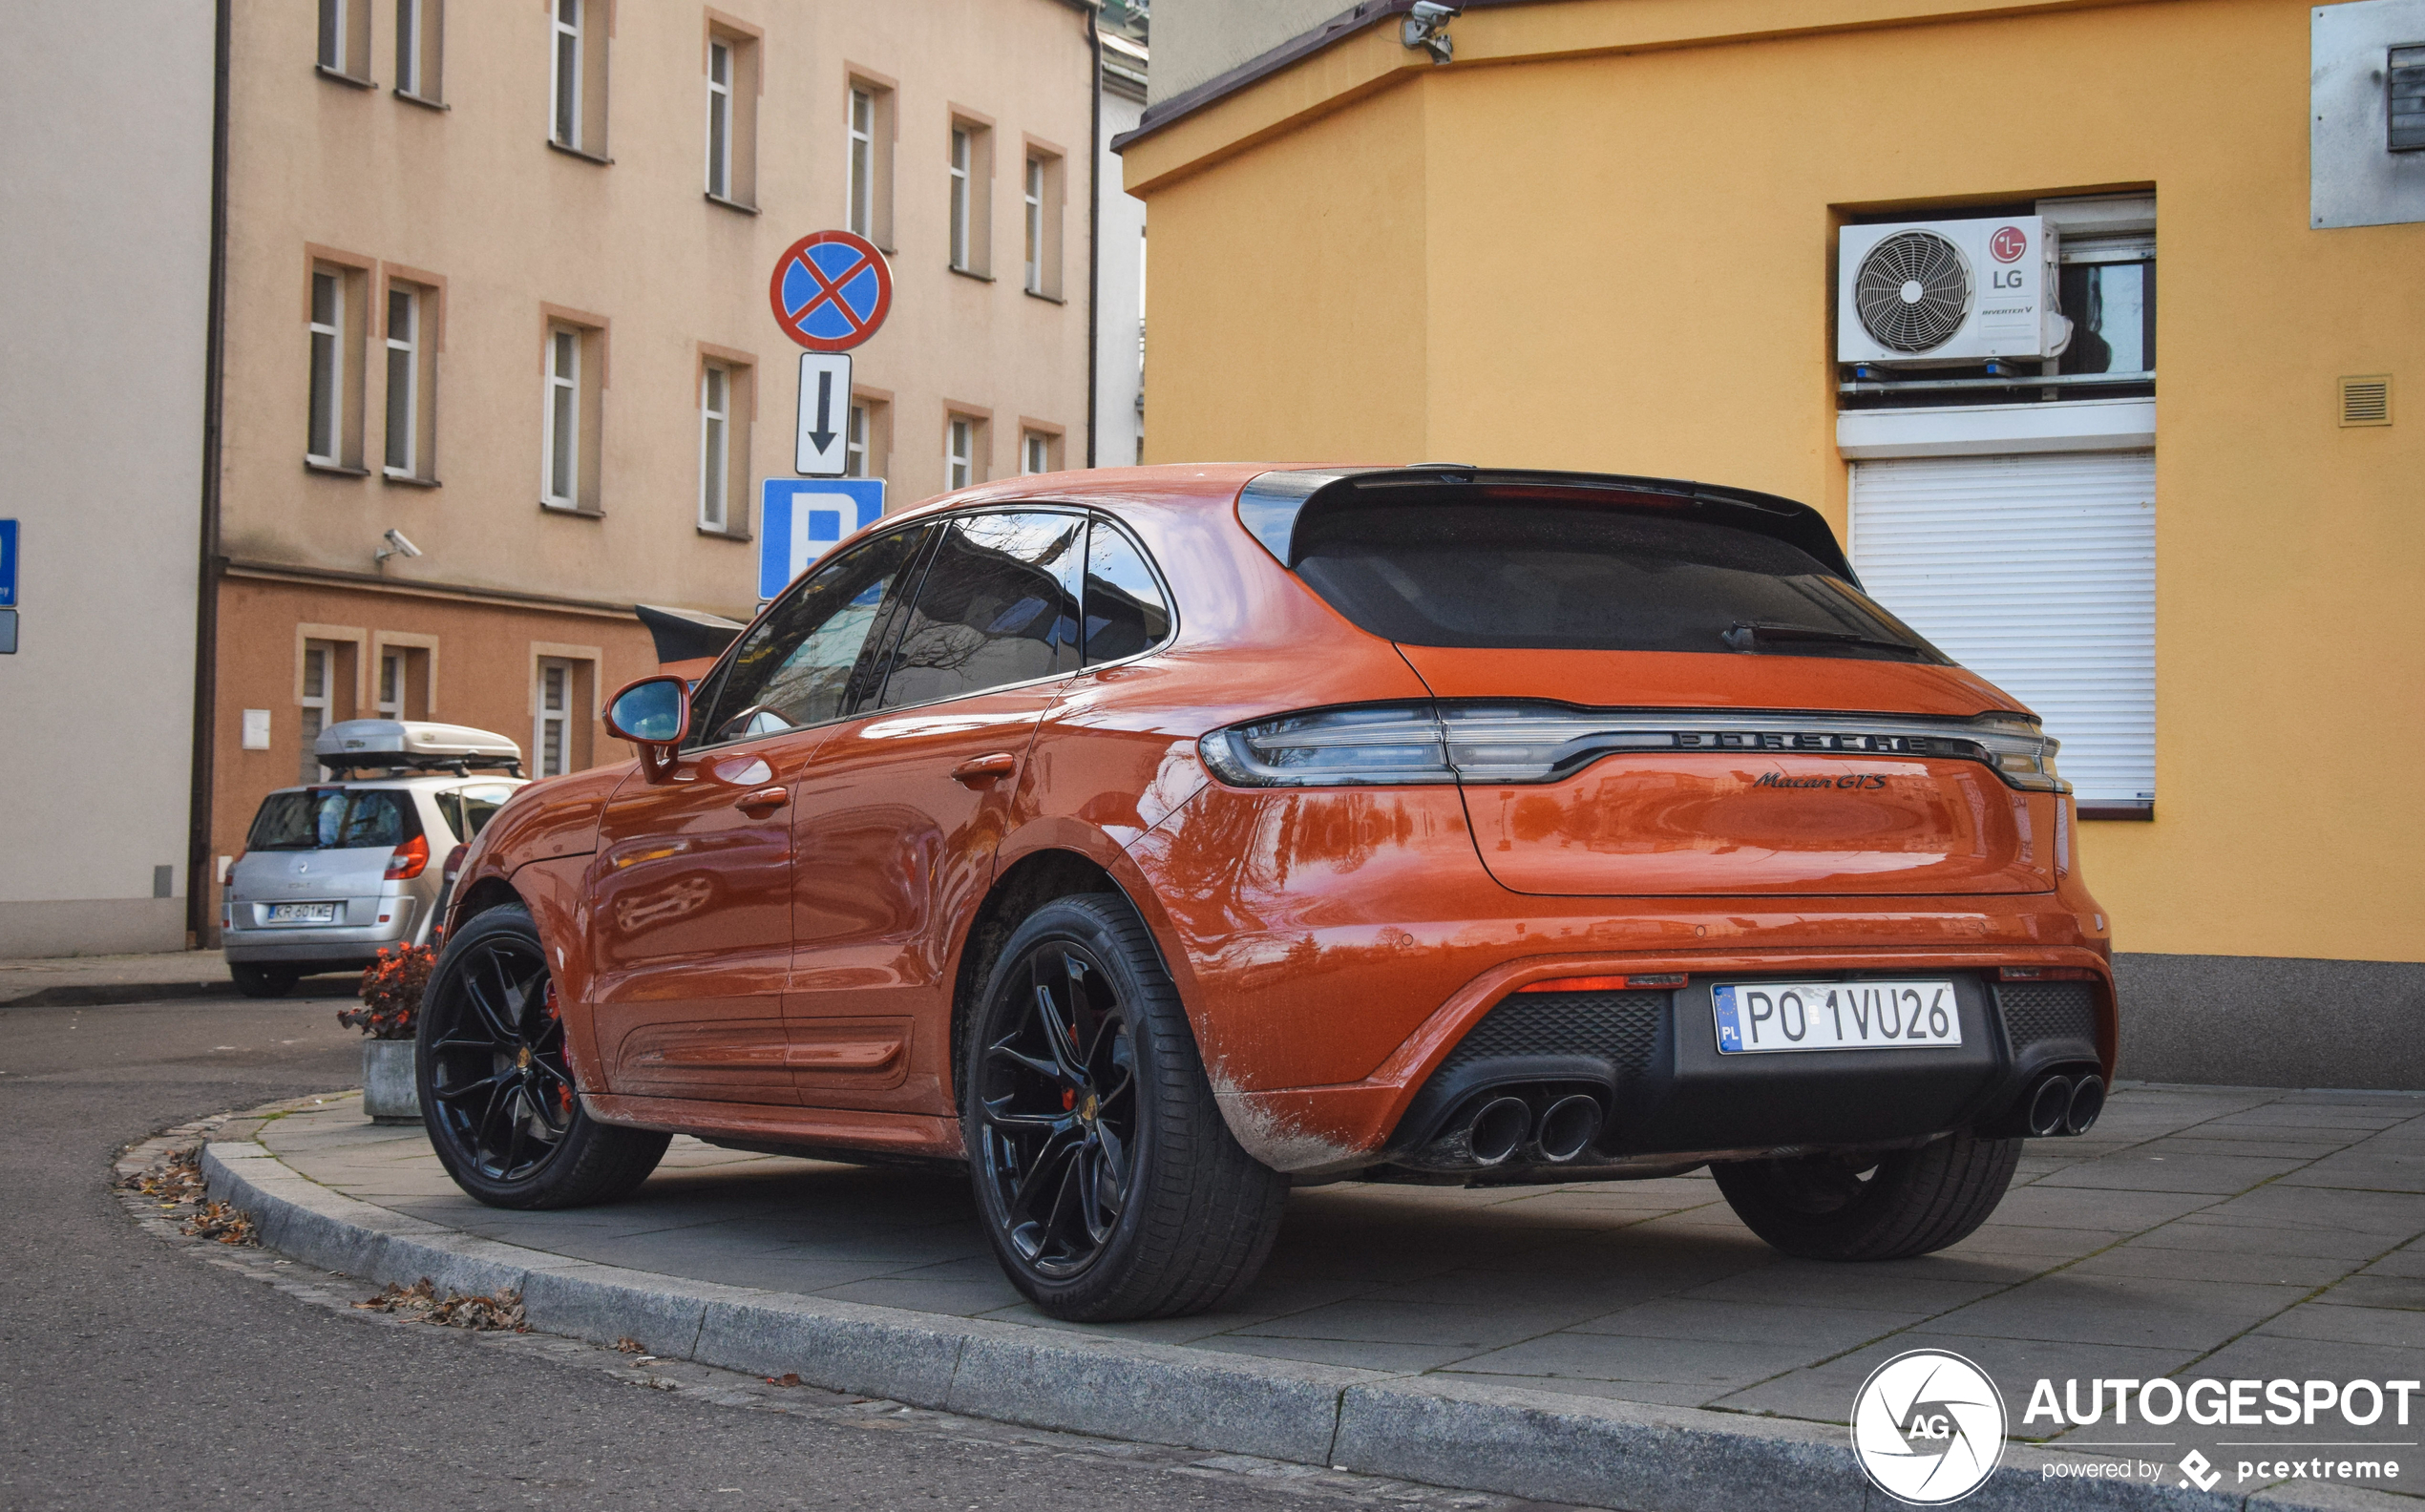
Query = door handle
x=765 y=799
x=985 y=769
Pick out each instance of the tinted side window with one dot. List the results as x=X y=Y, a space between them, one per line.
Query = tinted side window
x=469 y=809
x=998 y=604
x=1125 y=611
x=795 y=667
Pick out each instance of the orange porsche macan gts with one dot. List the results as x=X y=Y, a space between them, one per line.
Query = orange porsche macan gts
x=1151 y=841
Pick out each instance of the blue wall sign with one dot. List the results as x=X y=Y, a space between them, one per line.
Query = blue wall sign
x=800 y=519
x=8 y=564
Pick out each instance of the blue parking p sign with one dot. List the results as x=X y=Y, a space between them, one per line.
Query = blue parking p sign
x=8 y=564
x=800 y=519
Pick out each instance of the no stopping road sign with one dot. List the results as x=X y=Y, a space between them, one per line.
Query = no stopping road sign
x=830 y=290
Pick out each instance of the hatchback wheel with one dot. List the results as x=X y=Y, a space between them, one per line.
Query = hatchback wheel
x=263 y=981
x=1110 y=1184
x=497 y=1095
x=1886 y=1207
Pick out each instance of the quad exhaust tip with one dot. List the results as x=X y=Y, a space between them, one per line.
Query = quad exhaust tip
x=1567 y=1130
x=1498 y=1129
x=2064 y=1104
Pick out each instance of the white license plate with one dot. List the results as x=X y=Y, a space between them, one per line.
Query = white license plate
x=303 y=913
x=1835 y=1016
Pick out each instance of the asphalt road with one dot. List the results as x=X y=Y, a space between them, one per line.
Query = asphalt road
x=133 y=1373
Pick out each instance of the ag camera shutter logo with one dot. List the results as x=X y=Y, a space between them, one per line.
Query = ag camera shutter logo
x=1928 y=1427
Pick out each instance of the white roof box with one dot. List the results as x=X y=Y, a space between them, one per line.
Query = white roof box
x=412 y=743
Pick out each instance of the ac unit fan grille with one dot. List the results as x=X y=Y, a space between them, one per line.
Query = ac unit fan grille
x=1913 y=291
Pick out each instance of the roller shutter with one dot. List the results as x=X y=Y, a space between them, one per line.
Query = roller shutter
x=2038 y=573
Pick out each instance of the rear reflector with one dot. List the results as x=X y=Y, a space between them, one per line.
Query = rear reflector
x=2044 y=974
x=1564 y=985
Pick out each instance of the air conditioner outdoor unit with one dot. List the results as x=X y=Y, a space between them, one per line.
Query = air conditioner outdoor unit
x=1934 y=293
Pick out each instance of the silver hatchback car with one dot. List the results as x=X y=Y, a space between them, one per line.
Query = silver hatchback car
x=336 y=872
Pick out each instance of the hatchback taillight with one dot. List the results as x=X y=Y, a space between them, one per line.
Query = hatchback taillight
x=409 y=860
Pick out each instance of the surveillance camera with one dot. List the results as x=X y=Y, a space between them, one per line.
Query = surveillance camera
x=395 y=538
x=1422 y=29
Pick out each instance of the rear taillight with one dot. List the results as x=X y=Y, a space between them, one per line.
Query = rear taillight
x=1633 y=981
x=455 y=860
x=409 y=860
x=1374 y=744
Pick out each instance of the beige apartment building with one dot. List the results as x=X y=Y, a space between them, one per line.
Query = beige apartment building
x=499 y=357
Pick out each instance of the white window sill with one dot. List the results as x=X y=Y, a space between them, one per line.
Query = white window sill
x=2083 y=425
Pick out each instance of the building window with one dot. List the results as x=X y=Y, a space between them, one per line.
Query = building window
x=327 y=360
x=344 y=38
x=972 y=171
x=318 y=700
x=577 y=100
x=1042 y=193
x=868 y=162
x=1035 y=452
x=551 y=742
x=715 y=445
x=855 y=444
x=333 y=421
x=564 y=417
x=404 y=380
x=960 y=453
x=421 y=49
x=404 y=683
x=732 y=116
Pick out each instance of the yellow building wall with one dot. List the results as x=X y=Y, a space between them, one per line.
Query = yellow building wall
x=1623 y=261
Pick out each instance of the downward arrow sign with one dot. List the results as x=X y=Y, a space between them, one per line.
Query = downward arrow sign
x=823 y=434
x=821 y=447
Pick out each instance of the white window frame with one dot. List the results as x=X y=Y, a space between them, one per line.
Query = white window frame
x=854 y=443
x=1035 y=453
x=334 y=52
x=715 y=446
x=410 y=20
x=560 y=455
x=963 y=153
x=1034 y=195
x=564 y=94
x=720 y=117
x=326 y=401
x=316 y=699
x=557 y=721
x=404 y=350
x=960 y=453
x=391 y=680
x=858 y=211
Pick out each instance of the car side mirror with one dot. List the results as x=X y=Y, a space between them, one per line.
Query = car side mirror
x=653 y=714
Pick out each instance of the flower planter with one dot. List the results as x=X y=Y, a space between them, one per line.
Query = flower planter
x=389 y=1094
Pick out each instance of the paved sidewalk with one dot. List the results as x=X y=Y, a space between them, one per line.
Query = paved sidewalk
x=2200 y=1231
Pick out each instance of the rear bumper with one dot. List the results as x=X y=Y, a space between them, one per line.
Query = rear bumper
x=1335 y=948
x=304 y=946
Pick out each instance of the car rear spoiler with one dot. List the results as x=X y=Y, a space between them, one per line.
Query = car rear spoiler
x=1272 y=504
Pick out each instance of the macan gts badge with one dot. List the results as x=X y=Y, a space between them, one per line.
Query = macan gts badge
x=1146 y=842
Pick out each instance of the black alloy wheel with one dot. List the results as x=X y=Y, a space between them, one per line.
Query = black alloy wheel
x=498 y=1077
x=1110 y=1184
x=498 y=1096
x=1057 y=1109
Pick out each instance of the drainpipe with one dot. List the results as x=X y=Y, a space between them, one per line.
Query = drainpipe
x=200 y=873
x=1094 y=223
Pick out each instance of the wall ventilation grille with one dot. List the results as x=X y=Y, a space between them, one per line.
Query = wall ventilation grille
x=2366 y=401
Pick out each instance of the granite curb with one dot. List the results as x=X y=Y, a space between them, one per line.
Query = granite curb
x=1513 y=1441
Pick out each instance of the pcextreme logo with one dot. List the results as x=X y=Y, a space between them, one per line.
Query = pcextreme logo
x=1928 y=1427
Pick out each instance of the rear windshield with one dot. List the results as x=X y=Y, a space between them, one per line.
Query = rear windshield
x=333 y=819
x=1585 y=577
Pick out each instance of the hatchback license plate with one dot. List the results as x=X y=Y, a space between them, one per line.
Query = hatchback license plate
x=303 y=913
x=1755 y=1017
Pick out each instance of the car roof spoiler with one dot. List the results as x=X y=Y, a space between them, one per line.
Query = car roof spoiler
x=1271 y=503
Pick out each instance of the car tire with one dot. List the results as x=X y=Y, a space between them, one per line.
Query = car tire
x=498 y=1094
x=1106 y=1179
x=256 y=980
x=1889 y=1207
